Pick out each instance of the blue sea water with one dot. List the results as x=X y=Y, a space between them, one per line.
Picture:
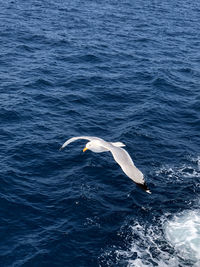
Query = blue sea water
x=124 y=71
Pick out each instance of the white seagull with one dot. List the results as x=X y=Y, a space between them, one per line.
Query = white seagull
x=120 y=155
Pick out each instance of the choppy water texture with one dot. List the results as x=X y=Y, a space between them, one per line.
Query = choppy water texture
x=125 y=71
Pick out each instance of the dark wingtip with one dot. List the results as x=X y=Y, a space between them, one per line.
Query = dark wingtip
x=144 y=187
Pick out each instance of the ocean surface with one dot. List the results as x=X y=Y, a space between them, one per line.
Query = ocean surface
x=124 y=71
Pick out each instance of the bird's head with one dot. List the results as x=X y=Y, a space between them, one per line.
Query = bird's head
x=90 y=145
x=94 y=146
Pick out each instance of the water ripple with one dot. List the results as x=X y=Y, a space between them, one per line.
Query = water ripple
x=124 y=71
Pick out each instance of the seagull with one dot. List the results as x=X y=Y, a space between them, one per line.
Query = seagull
x=119 y=154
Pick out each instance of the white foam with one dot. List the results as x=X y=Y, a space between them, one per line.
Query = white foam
x=183 y=233
x=166 y=242
x=177 y=173
x=180 y=172
x=149 y=249
x=146 y=248
x=198 y=162
x=169 y=242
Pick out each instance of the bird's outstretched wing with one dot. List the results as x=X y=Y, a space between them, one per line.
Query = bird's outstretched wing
x=122 y=157
x=89 y=138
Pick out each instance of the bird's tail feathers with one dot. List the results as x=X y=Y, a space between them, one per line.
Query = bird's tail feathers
x=118 y=144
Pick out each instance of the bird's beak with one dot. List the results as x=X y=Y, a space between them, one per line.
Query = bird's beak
x=85 y=149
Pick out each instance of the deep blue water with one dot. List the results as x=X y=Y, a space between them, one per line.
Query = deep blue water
x=124 y=71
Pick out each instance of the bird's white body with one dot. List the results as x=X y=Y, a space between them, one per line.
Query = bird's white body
x=95 y=146
x=120 y=155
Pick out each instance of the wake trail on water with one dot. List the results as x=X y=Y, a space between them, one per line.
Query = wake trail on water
x=172 y=239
